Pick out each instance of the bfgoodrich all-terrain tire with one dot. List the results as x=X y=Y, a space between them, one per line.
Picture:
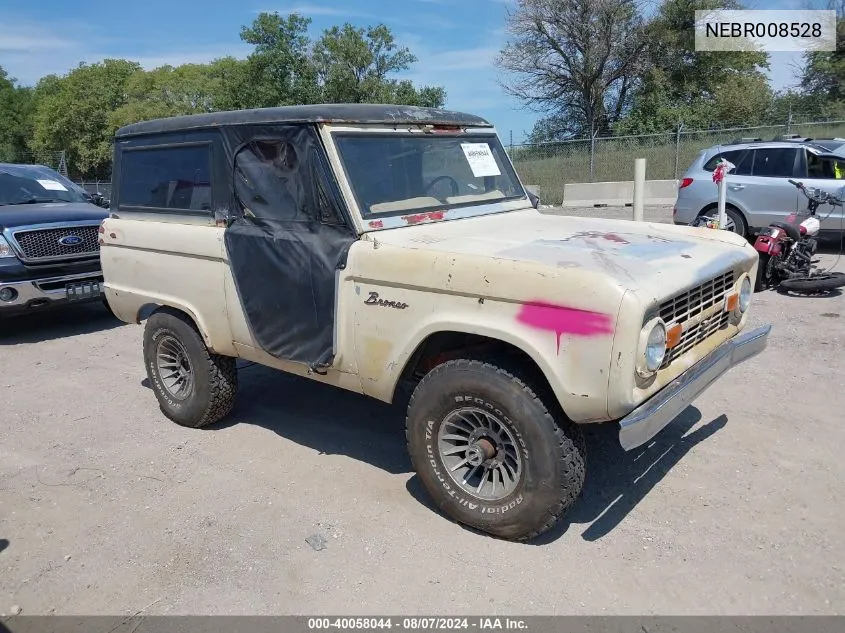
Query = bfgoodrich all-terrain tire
x=193 y=386
x=490 y=452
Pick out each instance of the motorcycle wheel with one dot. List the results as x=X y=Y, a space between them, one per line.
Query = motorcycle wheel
x=813 y=285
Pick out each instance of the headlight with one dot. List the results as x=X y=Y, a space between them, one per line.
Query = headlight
x=745 y=292
x=652 y=347
x=5 y=249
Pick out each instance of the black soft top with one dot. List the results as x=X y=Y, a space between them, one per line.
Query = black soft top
x=332 y=113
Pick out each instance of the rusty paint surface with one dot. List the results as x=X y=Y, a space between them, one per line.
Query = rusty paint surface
x=376 y=224
x=418 y=218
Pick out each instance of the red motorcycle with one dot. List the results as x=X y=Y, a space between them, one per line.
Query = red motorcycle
x=786 y=250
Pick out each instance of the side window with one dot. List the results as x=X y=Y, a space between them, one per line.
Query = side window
x=278 y=179
x=740 y=157
x=775 y=163
x=329 y=213
x=176 y=177
x=818 y=168
x=269 y=181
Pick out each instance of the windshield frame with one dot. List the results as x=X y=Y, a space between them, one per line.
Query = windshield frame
x=442 y=212
x=34 y=173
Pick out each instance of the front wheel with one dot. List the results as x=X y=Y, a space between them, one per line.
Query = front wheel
x=194 y=387
x=490 y=452
x=815 y=284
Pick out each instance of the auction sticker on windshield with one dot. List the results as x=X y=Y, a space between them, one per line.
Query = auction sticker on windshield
x=481 y=159
x=52 y=185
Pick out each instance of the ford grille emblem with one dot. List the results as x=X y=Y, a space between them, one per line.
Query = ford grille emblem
x=70 y=240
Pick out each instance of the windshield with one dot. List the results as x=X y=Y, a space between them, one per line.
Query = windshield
x=30 y=184
x=394 y=174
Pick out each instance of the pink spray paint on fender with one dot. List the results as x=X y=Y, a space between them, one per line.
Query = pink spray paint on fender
x=562 y=320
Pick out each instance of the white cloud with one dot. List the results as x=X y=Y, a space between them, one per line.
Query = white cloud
x=317 y=9
x=31 y=51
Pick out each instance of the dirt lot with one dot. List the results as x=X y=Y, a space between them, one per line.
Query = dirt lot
x=106 y=507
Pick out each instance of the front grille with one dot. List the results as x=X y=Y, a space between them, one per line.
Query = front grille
x=697 y=334
x=689 y=304
x=45 y=243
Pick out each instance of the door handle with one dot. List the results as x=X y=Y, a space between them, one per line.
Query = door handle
x=736 y=187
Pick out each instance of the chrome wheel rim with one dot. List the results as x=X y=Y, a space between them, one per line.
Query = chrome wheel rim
x=174 y=367
x=480 y=453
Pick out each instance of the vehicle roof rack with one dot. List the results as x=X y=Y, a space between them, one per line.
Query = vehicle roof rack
x=792 y=137
x=746 y=139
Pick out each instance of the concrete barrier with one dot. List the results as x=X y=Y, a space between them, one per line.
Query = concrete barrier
x=585 y=194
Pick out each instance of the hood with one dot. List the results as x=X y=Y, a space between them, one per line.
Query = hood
x=636 y=255
x=15 y=215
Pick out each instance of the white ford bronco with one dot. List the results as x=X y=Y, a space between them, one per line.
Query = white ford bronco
x=375 y=247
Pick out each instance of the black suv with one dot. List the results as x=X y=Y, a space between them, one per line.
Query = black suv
x=49 y=246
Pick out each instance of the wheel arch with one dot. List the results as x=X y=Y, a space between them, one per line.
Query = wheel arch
x=728 y=205
x=435 y=346
x=148 y=309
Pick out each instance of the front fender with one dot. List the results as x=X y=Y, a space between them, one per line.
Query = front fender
x=576 y=366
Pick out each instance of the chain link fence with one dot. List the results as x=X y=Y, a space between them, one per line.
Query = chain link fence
x=549 y=166
x=54 y=160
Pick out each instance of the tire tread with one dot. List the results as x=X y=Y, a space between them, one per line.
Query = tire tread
x=222 y=370
x=571 y=445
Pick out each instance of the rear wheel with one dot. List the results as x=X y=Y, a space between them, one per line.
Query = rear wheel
x=825 y=282
x=736 y=221
x=491 y=453
x=194 y=387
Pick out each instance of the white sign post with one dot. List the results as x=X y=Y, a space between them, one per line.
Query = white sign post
x=639 y=187
x=720 y=177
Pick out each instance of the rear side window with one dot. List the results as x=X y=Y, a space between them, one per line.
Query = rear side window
x=175 y=177
x=739 y=157
x=776 y=163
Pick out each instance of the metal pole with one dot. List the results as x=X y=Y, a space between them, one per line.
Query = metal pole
x=678 y=147
x=592 y=154
x=639 y=187
x=723 y=190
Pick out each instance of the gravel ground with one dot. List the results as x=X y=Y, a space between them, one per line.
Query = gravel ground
x=106 y=507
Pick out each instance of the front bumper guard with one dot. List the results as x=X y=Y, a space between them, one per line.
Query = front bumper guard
x=48 y=290
x=648 y=419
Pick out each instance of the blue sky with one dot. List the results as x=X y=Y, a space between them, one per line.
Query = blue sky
x=456 y=41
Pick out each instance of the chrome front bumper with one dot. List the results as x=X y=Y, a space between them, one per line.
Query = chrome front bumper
x=39 y=292
x=647 y=420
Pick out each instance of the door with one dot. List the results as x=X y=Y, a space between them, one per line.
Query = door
x=820 y=174
x=287 y=241
x=765 y=193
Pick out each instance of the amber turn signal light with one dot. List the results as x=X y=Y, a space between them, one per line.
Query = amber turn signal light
x=673 y=335
x=732 y=302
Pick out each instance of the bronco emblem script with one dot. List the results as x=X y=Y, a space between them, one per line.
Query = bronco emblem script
x=373 y=300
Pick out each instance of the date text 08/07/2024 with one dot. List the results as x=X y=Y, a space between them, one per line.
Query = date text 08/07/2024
x=417 y=623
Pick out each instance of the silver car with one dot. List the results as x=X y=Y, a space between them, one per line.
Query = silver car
x=758 y=190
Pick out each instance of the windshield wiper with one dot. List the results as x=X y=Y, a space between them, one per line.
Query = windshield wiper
x=34 y=201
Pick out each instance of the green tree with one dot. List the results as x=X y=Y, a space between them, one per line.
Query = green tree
x=698 y=88
x=824 y=71
x=279 y=71
x=15 y=119
x=575 y=61
x=72 y=113
x=354 y=66
x=169 y=91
